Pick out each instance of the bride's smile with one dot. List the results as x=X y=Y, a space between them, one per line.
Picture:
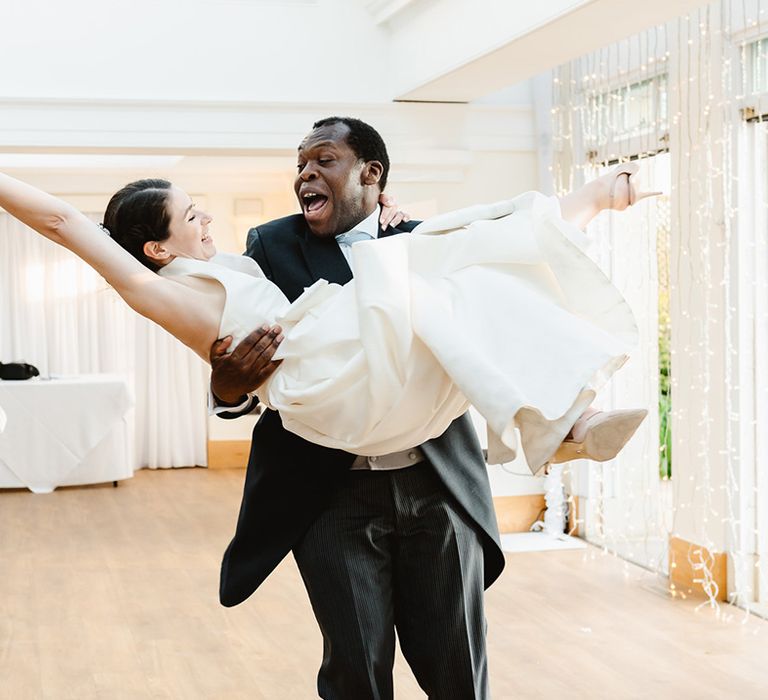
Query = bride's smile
x=189 y=235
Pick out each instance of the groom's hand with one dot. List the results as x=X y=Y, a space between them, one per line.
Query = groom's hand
x=246 y=368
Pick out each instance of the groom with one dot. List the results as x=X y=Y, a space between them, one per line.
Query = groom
x=404 y=542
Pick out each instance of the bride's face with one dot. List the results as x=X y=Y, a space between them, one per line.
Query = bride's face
x=189 y=237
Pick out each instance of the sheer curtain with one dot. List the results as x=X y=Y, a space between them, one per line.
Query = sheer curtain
x=611 y=106
x=58 y=314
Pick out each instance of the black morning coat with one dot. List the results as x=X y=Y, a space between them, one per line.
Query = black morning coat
x=288 y=479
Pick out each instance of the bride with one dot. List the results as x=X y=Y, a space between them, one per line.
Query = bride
x=376 y=365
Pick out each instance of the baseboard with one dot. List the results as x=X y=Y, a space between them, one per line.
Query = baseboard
x=228 y=454
x=685 y=579
x=518 y=513
x=514 y=513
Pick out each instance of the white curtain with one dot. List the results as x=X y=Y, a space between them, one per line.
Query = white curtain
x=59 y=315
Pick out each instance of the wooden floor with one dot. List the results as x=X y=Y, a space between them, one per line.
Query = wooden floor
x=111 y=593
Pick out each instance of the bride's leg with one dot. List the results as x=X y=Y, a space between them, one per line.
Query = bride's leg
x=584 y=204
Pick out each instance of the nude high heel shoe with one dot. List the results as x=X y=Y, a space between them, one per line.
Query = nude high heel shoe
x=601 y=436
x=633 y=195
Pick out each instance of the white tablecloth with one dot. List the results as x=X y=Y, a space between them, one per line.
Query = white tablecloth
x=63 y=432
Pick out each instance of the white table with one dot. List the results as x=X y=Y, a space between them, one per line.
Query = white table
x=64 y=432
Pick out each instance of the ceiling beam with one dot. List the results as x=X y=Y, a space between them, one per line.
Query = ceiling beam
x=576 y=31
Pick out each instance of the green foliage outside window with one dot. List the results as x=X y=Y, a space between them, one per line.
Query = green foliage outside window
x=665 y=397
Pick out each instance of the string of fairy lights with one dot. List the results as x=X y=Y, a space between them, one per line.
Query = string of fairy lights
x=684 y=98
x=591 y=114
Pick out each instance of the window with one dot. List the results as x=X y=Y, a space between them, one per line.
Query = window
x=635 y=109
x=663 y=234
x=748 y=427
x=757 y=57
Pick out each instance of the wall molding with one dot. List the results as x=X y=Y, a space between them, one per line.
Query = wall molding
x=439 y=134
x=513 y=513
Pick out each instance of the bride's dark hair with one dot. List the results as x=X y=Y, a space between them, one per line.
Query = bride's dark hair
x=138 y=213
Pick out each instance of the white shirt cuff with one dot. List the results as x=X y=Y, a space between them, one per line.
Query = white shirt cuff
x=214 y=408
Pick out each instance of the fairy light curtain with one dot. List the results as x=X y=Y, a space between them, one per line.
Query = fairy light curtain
x=609 y=106
x=58 y=314
x=687 y=99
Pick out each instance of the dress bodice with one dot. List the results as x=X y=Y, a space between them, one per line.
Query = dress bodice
x=250 y=299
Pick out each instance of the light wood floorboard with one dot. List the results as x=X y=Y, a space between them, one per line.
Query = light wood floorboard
x=112 y=593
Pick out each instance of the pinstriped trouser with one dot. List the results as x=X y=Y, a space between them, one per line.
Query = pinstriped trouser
x=393 y=551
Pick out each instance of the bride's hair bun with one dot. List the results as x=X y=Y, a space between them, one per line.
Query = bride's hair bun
x=137 y=214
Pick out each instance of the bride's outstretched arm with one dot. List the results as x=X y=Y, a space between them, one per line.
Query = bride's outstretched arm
x=182 y=311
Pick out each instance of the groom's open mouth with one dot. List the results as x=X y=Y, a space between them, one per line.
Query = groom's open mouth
x=313 y=205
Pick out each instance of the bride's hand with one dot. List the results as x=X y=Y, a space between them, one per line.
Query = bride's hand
x=390 y=214
x=247 y=367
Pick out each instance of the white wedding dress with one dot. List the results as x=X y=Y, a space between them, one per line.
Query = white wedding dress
x=495 y=306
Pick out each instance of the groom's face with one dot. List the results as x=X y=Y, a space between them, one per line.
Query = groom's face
x=332 y=184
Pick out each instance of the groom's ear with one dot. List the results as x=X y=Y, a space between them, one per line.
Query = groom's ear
x=372 y=172
x=154 y=251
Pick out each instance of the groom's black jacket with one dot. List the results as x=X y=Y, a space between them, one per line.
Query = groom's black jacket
x=289 y=480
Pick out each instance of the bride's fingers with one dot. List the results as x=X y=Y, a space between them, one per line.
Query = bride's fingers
x=399 y=217
x=387 y=202
x=392 y=216
x=388 y=211
x=387 y=215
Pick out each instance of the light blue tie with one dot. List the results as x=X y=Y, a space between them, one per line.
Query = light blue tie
x=353 y=236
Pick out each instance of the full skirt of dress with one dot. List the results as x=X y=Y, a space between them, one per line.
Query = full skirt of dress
x=494 y=306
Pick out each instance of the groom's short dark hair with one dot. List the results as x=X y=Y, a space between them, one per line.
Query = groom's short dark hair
x=364 y=141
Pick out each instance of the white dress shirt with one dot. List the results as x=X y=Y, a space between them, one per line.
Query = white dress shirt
x=369 y=225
